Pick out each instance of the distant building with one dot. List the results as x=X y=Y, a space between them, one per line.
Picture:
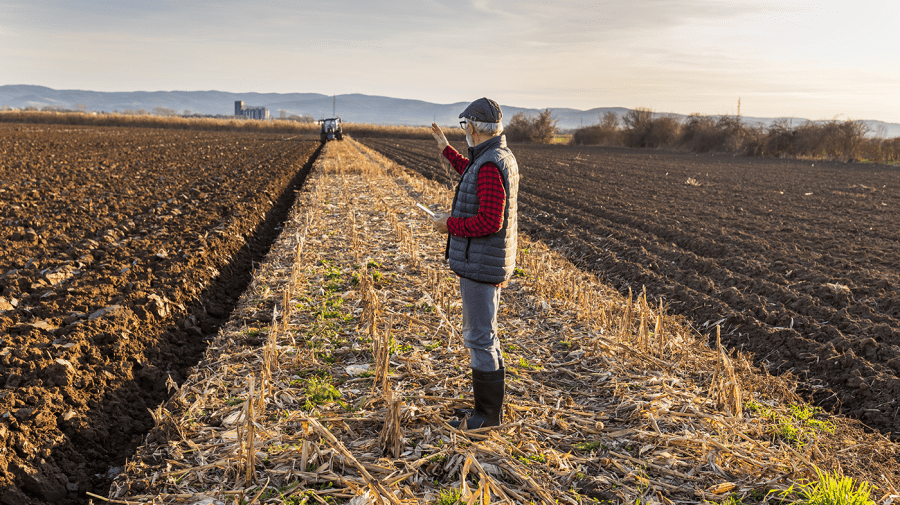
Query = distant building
x=250 y=112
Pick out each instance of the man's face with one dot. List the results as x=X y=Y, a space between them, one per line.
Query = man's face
x=470 y=130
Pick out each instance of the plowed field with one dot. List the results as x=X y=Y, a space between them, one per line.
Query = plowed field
x=121 y=252
x=796 y=260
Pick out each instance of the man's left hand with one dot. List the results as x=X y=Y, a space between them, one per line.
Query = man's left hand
x=440 y=223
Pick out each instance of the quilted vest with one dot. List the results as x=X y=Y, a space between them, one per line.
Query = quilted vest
x=491 y=258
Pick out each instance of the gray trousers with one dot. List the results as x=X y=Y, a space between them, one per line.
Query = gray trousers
x=480 y=304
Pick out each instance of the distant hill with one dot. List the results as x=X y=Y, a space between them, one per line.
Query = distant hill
x=355 y=107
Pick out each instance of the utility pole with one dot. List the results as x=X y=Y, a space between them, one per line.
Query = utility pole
x=739 y=106
x=333 y=105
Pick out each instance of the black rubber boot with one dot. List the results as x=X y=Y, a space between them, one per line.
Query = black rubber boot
x=488 y=389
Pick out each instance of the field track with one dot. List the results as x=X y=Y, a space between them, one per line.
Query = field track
x=121 y=253
x=367 y=311
x=797 y=260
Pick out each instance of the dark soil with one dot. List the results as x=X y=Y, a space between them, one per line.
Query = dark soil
x=121 y=253
x=796 y=260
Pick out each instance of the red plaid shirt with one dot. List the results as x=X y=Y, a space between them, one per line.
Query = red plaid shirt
x=491 y=199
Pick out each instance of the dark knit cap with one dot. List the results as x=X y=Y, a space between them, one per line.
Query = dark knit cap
x=484 y=110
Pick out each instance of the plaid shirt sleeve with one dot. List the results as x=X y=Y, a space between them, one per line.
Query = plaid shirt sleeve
x=458 y=161
x=491 y=200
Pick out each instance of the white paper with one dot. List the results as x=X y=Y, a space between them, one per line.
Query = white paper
x=426 y=209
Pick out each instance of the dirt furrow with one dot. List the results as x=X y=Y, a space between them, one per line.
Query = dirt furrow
x=794 y=304
x=117 y=265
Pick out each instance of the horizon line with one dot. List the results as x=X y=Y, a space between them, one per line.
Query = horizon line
x=651 y=109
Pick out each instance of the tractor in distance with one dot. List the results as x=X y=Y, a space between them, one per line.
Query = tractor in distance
x=331 y=129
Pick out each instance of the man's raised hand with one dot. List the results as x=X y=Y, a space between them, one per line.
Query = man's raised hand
x=439 y=136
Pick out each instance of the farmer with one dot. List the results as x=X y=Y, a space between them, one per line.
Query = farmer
x=481 y=247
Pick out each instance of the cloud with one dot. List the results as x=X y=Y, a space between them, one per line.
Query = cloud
x=665 y=54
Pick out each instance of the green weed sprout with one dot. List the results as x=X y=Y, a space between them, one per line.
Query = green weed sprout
x=831 y=489
x=450 y=497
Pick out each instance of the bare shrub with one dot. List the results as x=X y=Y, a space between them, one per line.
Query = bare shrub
x=699 y=134
x=780 y=139
x=610 y=121
x=881 y=150
x=891 y=150
x=754 y=141
x=644 y=130
x=604 y=133
x=594 y=135
x=810 y=140
x=838 y=140
x=702 y=134
x=734 y=133
x=845 y=140
x=517 y=128
x=831 y=139
x=848 y=139
x=540 y=128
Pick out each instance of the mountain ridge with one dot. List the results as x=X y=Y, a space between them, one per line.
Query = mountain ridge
x=352 y=107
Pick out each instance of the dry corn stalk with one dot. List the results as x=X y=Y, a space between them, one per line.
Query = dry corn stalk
x=382 y=353
x=392 y=432
x=658 y=332
x=725 y=387
x=247 y=441
x=643 y=342
x=625 y=326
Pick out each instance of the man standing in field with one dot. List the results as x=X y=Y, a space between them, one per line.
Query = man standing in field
x=481 y=247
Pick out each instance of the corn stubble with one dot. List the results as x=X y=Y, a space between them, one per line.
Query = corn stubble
x=609 y=396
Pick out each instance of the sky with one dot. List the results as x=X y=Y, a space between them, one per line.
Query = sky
x=816 y=60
